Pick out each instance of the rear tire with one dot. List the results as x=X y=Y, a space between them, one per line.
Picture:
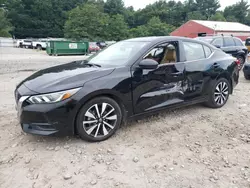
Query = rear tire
x=39 y=47
x=99 y=119
x=219 y=94
x=247 y=77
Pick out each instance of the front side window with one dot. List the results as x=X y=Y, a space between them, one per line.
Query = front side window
x=218 y=42
x=164 y=53
x=238 y=42
x=194 y=51
x=229 y=42
x=248 y=42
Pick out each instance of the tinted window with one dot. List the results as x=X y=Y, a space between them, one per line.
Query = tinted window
x=194 y=51
x=218 y=42
x=229 y=42
x=238 y=42
x=208 y=51
x=248 y=42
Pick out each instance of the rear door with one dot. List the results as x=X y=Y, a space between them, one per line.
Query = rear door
x=197 y=66
x=229 y=46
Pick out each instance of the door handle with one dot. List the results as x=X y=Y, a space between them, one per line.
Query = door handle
x=177 y=74
x=216 y=65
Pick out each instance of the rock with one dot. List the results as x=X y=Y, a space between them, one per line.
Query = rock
x=32 y=149
x=66 y=146
x=36 y=176
x=27 y=160
x=93 y=182
x=57 y=148
x=198 y=144
x=67 y=176
x=72 y=183
x=117 y=184
x=109 y=150
x=213 y=178
x=34 y=185
x=108 y=163
x=14 y=145
x=31 y=169
x=136 y=159
x=79 y=151
x=171 y=169
x=175 y=163
x=50 y=148
x=182 y=166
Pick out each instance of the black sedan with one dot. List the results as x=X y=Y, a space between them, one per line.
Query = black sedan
x=128 y=79
x=230 y=45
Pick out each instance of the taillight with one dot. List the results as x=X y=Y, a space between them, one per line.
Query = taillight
x=237 y=62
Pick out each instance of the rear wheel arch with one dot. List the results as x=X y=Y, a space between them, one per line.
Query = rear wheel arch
x=226 y=76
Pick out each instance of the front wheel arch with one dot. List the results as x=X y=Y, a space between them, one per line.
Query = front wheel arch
x=108 y=95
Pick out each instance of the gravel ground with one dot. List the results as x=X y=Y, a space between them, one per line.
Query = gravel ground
x=193 y=147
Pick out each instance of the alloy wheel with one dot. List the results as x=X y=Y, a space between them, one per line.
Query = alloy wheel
x=221 y=93
x=99 y=120
x=242 y=61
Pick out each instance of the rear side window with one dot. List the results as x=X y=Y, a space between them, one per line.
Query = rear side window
x=194 y=51
x=229 y=42
x=238 y=42
x=248 y=42
x=207 y=50
x=218 y=42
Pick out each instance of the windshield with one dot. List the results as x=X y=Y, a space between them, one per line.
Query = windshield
x=117 y=54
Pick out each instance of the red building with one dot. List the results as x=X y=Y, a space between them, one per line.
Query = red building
x=195 y=28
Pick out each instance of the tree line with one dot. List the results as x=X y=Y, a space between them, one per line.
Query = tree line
x=110 y=19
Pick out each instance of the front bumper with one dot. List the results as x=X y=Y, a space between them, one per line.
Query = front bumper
x=45 y=119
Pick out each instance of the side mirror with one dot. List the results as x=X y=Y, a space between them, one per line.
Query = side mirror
x=148 y=64
x=217 y=46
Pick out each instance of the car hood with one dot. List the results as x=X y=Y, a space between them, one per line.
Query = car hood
x=62 y=77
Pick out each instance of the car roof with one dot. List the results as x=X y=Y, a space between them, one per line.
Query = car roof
x=157 y=39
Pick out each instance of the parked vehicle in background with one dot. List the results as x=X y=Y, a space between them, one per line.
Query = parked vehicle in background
x=127 y=79
x=39 y=44
x=24 y=43
x=19 y=43
x=101 y=44
x=93 y=47
x=229 y=44
x=247 y=43
x=246 y=71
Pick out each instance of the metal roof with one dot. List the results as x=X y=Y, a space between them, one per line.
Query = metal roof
x=224 y=26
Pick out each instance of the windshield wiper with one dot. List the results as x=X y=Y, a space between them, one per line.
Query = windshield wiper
x=85 y=62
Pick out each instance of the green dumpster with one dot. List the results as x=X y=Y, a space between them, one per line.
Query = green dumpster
x=67 y=48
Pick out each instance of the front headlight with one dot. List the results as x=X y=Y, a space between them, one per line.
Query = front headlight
x=52 y=97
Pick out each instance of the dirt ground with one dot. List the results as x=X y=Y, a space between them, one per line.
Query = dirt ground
x=193 y=147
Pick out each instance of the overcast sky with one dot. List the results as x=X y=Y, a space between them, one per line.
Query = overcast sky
x=142 y=3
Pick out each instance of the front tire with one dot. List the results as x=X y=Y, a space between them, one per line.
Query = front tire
x=99 y=119
x=219 y=94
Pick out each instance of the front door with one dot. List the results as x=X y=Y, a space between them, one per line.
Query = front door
x=162 y=87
